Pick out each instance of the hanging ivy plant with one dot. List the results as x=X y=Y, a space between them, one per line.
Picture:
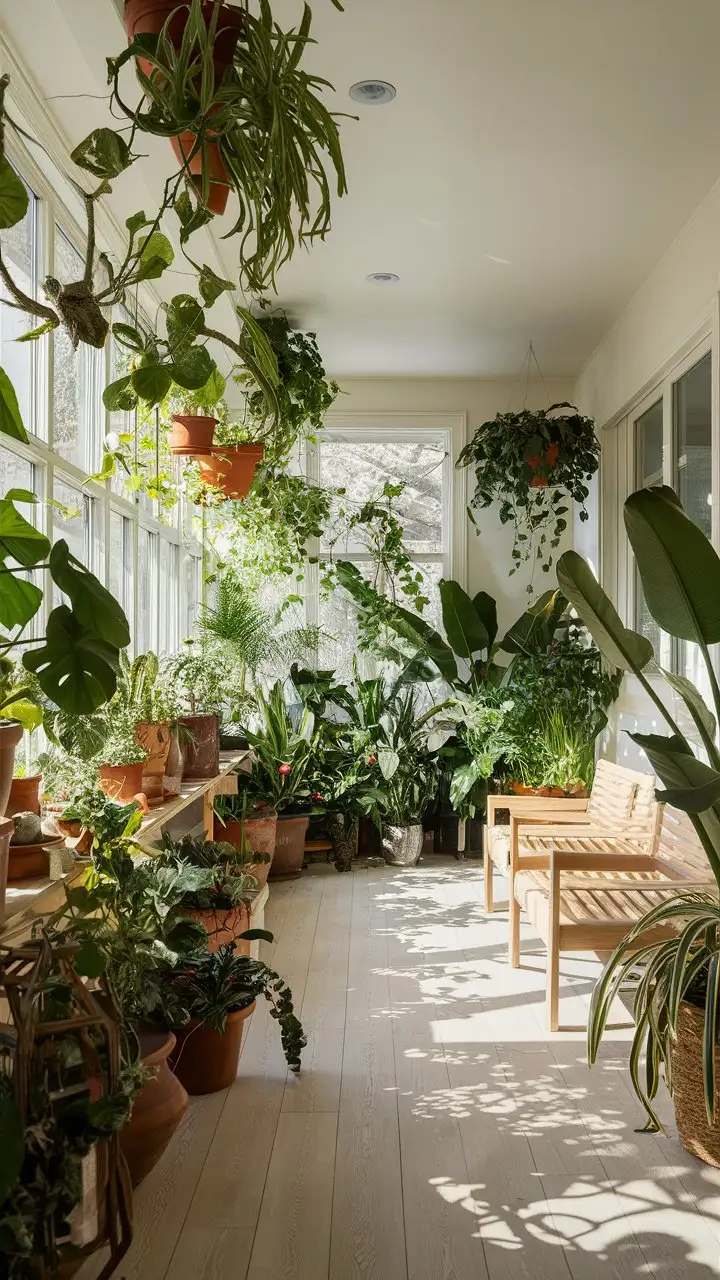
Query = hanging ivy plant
x=532 y=463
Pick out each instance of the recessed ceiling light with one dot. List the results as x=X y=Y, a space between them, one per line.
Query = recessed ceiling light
x=383 y=277
x=373 y=93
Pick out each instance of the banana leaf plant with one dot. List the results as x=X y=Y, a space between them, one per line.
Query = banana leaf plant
x=680 y=574
x=76 y=662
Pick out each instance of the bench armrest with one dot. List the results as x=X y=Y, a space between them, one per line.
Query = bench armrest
x=535 y=806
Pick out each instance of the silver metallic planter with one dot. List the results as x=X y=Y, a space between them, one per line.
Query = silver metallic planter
x=402 y=845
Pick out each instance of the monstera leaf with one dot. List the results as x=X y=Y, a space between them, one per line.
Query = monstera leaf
x=74 y=667
x=623 y=648
x=94 y=607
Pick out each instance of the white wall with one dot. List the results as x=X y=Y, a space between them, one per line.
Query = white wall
x=479 y=399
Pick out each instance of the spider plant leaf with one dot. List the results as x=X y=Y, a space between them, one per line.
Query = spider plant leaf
x=710 y=1035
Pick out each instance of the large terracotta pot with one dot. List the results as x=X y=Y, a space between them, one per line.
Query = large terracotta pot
x=6 y=830
x=10 y=735
x=121 y=782
x=174 y=766
x=224 y=926
x=688 y=1090
x=25 y=795
x=260 y=835
x=154 y=736
x=232 y=471
x=148 y=17
x=28 y=861
x=206 y=1061
x=157 y=1110
x=191 y=434
x=289 y=847
x=202 y=753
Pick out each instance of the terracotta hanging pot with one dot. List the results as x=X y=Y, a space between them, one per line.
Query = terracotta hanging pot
x=206 y=160
x=224 y=926
x=10 y=736
x=206 y=1061
x=158 y=1108
x=154 y=737
x=25 y=795
x=191 y=435
x=202 y=751
x=289 y=847
x=232 y=470
x=121 y=782
x=148 y=17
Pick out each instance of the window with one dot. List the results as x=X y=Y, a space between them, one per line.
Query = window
x=21 y=250
x=169 y=592
x=121 y=563
x=72 y=518
x=649 y=471
x=147 y=597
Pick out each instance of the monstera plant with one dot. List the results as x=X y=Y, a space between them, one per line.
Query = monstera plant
x=680 y=574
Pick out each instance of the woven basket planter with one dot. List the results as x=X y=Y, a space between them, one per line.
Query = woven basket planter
x=688 y=1094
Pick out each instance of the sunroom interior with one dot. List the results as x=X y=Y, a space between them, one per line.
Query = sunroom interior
x=359 y=625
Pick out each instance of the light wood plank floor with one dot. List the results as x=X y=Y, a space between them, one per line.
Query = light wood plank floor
x=437 y=1132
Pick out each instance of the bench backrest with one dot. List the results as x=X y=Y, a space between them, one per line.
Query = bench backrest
x=623 y=798
x=679 y=846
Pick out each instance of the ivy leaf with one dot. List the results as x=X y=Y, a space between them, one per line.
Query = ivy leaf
x=13 y=196
x=192 y=217
x=185 y=319
x=90 y=962
x=212 y=285
x=156 y=256
x=136 y=222
x=126 y=335
x=104 y=153
x=74 y=667
x=11 y=423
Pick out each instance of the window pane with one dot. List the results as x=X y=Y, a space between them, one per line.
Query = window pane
x=147 y=591
x=649 y=471
x=71 y=523
x=192 y=594
x=693 y=451
x=169 y=587
x=121 y=563
x=362 y=467
x=77 y=380
x=18 y=359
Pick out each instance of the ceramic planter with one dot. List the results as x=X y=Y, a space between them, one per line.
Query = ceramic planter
x=121 y=782
x=202 y=752
x=158 y=1108
x=6 y=830
x=205 y=1061
x=174 y=766
x=232 y=471
x=154 y=736
x=10 y=735
x=260 y=835
x=402 y=846
x=289 y=847
x=223 y=926
x=25 y=795
x=191 y=435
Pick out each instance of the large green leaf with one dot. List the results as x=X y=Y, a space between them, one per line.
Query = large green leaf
x=19 y=540
x=75 y=668
x=19 y=601
x=11 y=423
x=12 y=1148
x=120 y=395
x=212 y=285
x=623 y=648
x=20 y=706
x=185 y=318
x=95 y=608
x=192 y=368
x=679 y=568
x=486 y=610
x=104 y=153
x=156 y=256
x=694 y=701
x=13 y=196
x=464 y=628
x=691 y=785
x=535 y=628
x=151 y=383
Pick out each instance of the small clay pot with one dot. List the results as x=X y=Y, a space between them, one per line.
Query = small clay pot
x=289 y=847
x=121 y=782
x=148 y=17
x=206 y=1061
x=202 y=752
x=154 y=736
x=224 y=926
x=28 y=861
x=191 y=435
x=232 y=470
x=260 y=835
x=158 y=1108
x=25 y=795
x=10 y=735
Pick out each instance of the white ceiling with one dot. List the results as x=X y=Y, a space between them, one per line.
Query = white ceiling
x=538 y=159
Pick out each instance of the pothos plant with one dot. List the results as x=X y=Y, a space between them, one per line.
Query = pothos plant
x=531 y=463
x=377 y=527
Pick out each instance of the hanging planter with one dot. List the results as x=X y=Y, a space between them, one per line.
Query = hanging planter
x=206 y=167
x=231 y=470
x=192 y=435
x=531 y=464
x=148 y=17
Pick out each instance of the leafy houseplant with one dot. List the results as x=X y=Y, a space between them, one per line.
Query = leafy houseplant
x=677 y=996
x=531 y=463
x=221 y=892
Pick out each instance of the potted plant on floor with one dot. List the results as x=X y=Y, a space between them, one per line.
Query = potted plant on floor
x=216 y=993
x=532 y=464
x=220 y=895
x=677 y=997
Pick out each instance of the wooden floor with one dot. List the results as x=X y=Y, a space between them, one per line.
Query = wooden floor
x=437 y=1132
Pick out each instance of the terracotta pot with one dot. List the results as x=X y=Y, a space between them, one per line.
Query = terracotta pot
x=10 y=735
x=206 y=1061
x=202 y=753
x=25 y=795
x=26 y=861
x=154 y=736
x=121 y=782
x=289 y=847
x=223 y=927
x=260 y=835
x=232 y=470
x=694 y=1131
x=158 y=1108
x=207 y=159
x=191 y=434
x=174 y=766
x=148 y=17
x=6 y=830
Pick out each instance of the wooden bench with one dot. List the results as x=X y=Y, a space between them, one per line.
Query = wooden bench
x=588 y=899
x=621 y=801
